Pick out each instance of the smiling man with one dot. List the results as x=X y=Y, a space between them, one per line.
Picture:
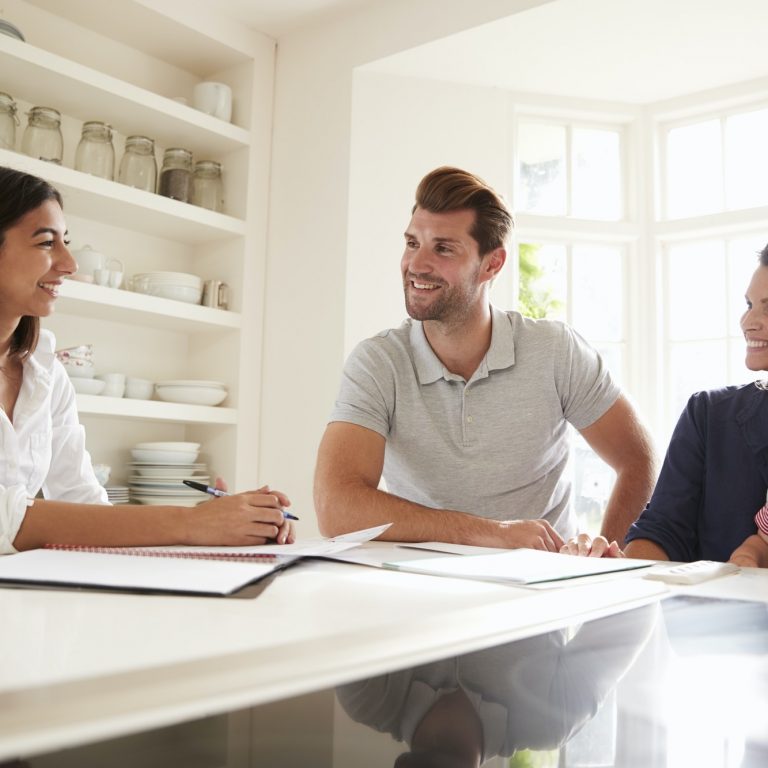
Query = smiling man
x=464 y=409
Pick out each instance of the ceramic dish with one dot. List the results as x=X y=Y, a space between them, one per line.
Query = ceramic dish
x=168 y=477
x=192 y=383
x=157 y=482
x=164 y=457
x=185 y=471
x=88 y=386
x=191 y=395
x=176 y=501
x=174 y=446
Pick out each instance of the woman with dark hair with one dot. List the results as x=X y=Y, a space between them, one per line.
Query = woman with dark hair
x=43 y=444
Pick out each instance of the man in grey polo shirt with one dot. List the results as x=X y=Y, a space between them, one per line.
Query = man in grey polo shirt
x=463 y=410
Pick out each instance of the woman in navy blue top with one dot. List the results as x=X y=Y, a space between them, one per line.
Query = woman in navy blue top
x=715 y=473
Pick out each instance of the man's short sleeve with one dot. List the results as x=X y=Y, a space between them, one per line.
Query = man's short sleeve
x=367 y=391
x=586 y=388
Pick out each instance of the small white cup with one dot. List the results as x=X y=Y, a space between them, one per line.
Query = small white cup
x=115 y=384
x=139 y=389
x=101 y=276
x=213 y=99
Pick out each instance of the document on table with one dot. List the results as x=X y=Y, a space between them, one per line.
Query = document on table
x=518 y=566
x=186 y=570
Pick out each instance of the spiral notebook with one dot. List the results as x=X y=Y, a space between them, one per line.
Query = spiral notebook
x=184 y=570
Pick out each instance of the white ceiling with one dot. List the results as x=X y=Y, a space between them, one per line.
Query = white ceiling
x=635 y=51
x=279 y=17
x=632 y=51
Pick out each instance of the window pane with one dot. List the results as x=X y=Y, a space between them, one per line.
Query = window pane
x=597 y=293
x=696 y=300
x=694 y=367
x=543 y=275
x=596 y=192
x=694 y=170
x=541 y=151
x=746 y=156
x=613 y=356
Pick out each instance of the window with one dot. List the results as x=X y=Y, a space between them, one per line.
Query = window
x=705 y=282
x=716 y=164
x=569 y=170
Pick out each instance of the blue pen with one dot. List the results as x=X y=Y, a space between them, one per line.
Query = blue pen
x=218 y=492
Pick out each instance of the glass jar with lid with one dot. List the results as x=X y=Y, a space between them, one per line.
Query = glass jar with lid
x=207 y=189
x=8 y=122
x=138 y=167
x=176 y=174
x=95 y=153
x=42 y=137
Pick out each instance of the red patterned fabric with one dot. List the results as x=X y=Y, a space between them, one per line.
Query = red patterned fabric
x=761 y=519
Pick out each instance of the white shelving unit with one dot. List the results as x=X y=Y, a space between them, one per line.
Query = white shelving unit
x=124 y=65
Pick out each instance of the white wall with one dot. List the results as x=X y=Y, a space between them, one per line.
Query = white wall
x=309 y=218
x=401 y=129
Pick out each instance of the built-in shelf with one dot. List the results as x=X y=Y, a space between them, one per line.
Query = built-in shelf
x=44 y=78
x=116 y=304
x=154 y=410
x=126 y=207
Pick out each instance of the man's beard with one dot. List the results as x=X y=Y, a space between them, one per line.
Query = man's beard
x=451 y=305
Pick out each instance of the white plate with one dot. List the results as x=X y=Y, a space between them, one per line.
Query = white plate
x=191 y=395
x=177 y=446
x=170 y=477
x=171 y=490
x=164 y=457
x=186 y=471
x=176 y=501
x=88 y=386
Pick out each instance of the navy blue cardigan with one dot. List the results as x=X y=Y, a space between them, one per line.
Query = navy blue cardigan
x=714 y=477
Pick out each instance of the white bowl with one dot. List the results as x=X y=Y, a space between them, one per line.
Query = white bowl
x=192 y=383
x=177 y=278
x=175 y=446
x=191 y=395
x=138 y=389
x=88 y=386
x=186 y=293
x=164 y=457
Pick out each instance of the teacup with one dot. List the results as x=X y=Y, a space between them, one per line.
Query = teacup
x=139 y=389
x=115 y=384
x=213 y=99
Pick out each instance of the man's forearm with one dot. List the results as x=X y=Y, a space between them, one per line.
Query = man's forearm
x=348 y=508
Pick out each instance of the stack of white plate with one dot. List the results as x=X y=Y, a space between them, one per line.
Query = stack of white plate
x=193 y=391
x=118 y=494
x=159 y=469
x=179 y=286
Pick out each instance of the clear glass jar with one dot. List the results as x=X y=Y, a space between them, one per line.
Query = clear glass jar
x=42 y=136
x=95 y=153
x=8 y=122
x=207 y=189
x=176 y=174
x=138 y=167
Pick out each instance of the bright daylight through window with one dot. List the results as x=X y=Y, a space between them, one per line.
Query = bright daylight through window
x=576 y=236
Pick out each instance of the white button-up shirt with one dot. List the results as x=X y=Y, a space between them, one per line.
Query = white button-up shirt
x=44 y=446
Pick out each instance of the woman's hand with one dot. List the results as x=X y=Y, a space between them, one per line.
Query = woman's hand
x=242 y=519
x=584 y=545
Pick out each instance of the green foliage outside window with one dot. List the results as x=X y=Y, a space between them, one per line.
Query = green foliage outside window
x=526 y=758
x=534 y=300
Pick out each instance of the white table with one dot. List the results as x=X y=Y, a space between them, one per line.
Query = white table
x=82 y=666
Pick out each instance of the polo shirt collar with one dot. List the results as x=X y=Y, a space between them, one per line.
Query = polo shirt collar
x=500 y=355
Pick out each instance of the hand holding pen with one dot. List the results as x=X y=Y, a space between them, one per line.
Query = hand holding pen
x=219 y=492
x=246 y=518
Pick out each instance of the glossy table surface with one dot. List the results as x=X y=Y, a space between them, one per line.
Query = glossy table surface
x=82 y=666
